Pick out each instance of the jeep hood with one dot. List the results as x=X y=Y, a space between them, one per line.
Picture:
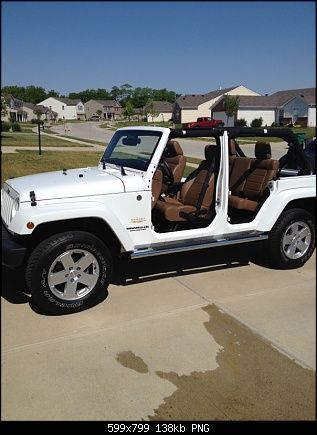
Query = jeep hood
x=71 y=183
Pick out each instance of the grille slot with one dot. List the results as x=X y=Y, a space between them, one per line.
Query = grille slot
x=6 y=207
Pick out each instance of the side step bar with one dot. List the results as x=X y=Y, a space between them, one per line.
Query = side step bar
x=150 y=252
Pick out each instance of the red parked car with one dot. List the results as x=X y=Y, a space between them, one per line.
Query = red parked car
x=204 y=122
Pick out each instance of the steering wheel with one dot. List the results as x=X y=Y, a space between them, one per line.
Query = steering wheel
x=168 y=177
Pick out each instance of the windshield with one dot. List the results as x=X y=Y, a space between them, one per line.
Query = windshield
x=132 y=148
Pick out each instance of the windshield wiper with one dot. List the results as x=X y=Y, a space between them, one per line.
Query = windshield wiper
x=114 y=163
x=122 y=170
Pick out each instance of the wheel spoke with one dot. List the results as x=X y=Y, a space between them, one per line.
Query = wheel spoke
x=288 y=239
x=88 y=279
x=301 y=246
x=67 y=260
x=291 y=250
x=57 y=278
x=70 y=290
x=304 y=232
x=84 y=262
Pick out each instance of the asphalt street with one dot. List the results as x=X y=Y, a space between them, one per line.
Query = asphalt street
x=191 y=148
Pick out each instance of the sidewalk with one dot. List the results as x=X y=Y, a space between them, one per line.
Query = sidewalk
x=90 y=146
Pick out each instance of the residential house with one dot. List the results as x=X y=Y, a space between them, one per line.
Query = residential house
x=108 y=109
x=190 y=107
x=15 y=110
x=46 y=113
x=66 y=108
x=163 y=111
x=281 y=108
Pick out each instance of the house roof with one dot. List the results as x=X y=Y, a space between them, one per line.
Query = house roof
x=163 y=106
x=108 y=102
x=278 y=99
x=283 y=97
x=28 y=105
x=193 y=101
x=68 y=101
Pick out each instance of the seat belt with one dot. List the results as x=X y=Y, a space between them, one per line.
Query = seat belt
x=245 y=175
x=205 y=186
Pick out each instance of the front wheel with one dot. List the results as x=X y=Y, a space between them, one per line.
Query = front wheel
x=291 y=241
x=69 y=272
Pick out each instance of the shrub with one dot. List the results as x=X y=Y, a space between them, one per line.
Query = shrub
x=5 y=126
x=257 y=122
x=241 y=122
x=16 y=126
x=274 y=124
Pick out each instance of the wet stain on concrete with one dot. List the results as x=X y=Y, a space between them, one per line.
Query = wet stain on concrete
x=131 y=361
x=254 y=381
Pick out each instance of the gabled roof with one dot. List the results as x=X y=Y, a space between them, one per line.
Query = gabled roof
x=163 y=106
x=283 y=97
x=193 y=101
x=68 y=101
x=278 y=99
x=29 y=105
x=107 y=102
x=257 y=101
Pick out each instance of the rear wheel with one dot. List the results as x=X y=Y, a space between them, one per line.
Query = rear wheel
x=69 y=272
x=292 y=239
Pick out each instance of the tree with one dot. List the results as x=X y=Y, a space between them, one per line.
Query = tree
x=38 y=112
x=141 y=96
x=52 y=93
x=150 y=109
x=4 y=106
x=99 y=113
x=30 y=94
x=231 y=105
x=128 y=110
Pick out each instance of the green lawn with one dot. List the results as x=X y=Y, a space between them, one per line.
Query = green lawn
x=31 y=140
x=30 y=162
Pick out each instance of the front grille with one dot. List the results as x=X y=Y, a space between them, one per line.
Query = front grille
x=7 y=203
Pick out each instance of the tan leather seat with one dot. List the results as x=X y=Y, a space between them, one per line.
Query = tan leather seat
x=157 y=182
x=187 y=201
x=258 y=173
x=175 y=159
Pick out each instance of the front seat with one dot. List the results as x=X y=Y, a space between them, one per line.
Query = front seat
x=176 y=162
x=196 y=194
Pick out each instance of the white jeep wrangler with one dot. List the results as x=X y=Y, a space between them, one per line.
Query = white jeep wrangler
x=66 y=227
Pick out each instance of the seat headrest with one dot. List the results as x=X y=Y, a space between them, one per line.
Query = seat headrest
x=262 y=150
x=210 y=152
x=173 y=149
x=232 y=147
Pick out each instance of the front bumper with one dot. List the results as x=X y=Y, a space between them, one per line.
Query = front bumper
x=13 y=254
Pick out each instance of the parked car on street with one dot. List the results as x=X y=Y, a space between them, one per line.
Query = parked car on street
x=204 y=122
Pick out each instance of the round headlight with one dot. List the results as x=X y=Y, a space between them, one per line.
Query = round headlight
x=15 y=207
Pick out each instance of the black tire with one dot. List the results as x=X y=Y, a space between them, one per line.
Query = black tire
x=294 y=225
x=82 y=288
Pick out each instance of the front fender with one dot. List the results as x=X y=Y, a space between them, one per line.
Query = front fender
x=45 y=213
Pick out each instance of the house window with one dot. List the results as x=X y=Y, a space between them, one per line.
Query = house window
x=80 y=107
x=63 y=107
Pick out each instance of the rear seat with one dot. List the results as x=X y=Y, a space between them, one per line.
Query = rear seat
x=259 y=171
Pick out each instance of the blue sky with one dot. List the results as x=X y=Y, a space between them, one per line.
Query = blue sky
x=188 y=47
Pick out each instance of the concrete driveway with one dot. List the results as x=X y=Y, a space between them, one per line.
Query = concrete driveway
x=211 y=335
